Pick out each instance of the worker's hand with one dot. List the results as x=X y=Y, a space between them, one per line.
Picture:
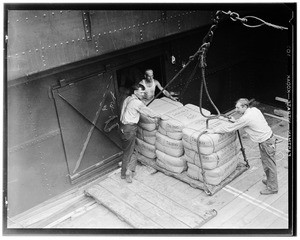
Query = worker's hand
x=210 y=131
x=223 y=118
x=174 y=98
x=231 y=119
x=164 y=117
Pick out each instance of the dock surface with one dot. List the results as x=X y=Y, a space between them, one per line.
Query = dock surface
x=155 y=200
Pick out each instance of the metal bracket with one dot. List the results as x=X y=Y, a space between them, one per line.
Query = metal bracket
x=87 y=25
x=63 y=82
x=50 y=93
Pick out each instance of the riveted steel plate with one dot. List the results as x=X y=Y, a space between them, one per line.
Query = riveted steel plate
x=44 y=39
x=83 y=108
x=180 y=21
x=36 y=174
x=20 y=125
x=31 y=113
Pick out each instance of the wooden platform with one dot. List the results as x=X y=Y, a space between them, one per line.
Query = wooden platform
x=150 y=201
x=207 y=188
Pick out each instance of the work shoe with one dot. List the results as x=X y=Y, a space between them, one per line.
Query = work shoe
x=264 y=181
x=128 y=179
x=123 y=176
x=268 y=191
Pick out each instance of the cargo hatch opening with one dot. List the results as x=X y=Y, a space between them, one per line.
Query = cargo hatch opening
x=134 y=73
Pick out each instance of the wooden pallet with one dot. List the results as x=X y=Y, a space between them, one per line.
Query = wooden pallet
x=209 y=189
x=151 y=201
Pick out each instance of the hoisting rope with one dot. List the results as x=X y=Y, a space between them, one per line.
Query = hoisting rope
x=191 y=58
x=206 y=190
x=202 y=64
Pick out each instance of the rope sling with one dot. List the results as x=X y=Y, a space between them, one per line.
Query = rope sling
x=200 y=55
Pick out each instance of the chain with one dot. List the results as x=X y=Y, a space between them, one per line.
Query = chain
x=235 y=16
x=207 y=40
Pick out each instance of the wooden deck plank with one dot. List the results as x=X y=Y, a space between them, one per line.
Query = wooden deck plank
x=143 y=205
x=121 y=209
x=244 y=202
x=98 y=217
x=70 y=208
x=278 y=223
x=254 y=205
x=281 y=205
x=159 y=176
x=45 y=211
x=193 y=220
x=231 y=206
x=180 y=189
x=261 y=221
x=160 y=183
x=242 y=183
x=52 y=206
x=71 y=214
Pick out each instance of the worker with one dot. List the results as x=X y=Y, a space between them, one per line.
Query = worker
x=130 y=115
x=150 y=84
x=254 y=123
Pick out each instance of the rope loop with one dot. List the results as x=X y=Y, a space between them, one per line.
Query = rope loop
x=262 y=22
x=234 y=16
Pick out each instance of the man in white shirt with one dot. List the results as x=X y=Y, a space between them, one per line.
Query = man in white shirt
x=150 y=85
x=130 y=115
x=254 y=123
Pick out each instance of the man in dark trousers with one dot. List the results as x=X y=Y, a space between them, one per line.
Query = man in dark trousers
x=130 y=116
x=254 y=123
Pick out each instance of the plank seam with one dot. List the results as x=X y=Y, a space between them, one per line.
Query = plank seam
x=127 y=221
x=172 y=201
x=257 y=203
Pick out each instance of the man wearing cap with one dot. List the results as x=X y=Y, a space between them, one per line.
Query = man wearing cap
x=254 y=123
x=132 y=108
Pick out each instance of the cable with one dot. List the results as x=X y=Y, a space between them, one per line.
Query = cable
x=207 y=191
x=263 y=23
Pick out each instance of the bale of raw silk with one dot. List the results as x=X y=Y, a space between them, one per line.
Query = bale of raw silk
x=169 y=143
x=176 y=120
x=147 y=127
x=170 y=160
x=173 y=135
x=213 y=176
x=215 y=159
x=159 y=106
x=146 y=136
x=145 y=149
x=208 y=143
x=175 y=169
x=169 y=136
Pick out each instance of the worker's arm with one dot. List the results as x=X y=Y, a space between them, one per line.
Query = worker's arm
x=165 y=92
x=143 y=109
x=230 y=127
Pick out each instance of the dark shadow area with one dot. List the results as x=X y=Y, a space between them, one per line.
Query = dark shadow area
x=128 y=76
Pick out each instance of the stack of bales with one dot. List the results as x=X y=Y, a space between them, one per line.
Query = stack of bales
x=219 y=152
x=147 y=128
x=169 y=146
